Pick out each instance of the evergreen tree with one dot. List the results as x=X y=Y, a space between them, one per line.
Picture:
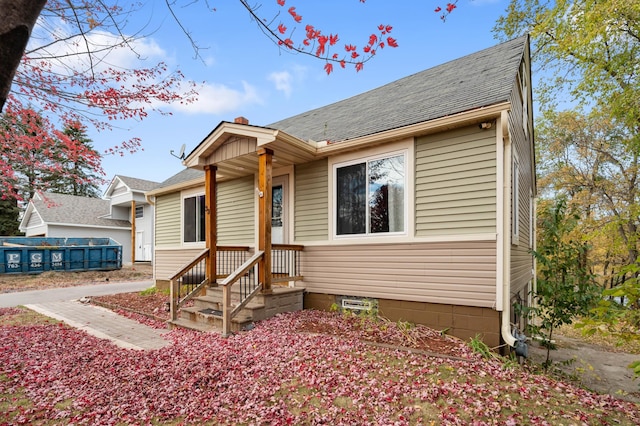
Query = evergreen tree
x=77 y=175
x=9 y=215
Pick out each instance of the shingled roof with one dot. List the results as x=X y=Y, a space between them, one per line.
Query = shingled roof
x=136 y=184
x=71 y=209
x=477 y=80
x=474 y=81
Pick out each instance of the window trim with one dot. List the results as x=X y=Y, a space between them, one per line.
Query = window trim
x=184 y=196
x=515 y=199
x=366 y=159
x=531 y=217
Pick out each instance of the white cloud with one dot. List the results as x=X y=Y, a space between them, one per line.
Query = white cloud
x=282 y=80
x=108 y=50
x=219 y=99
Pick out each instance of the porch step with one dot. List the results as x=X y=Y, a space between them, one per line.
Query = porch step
x=212 y=320
x=215 y=302
x=206 y=313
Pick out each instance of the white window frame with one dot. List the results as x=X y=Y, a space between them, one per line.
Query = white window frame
x=185 y=195
x=515 y=199
x=532 y=217
x=365 y=159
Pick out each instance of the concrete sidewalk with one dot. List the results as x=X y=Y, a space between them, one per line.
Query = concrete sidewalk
x=62 y=304
x=104 y=324
x=8 y=300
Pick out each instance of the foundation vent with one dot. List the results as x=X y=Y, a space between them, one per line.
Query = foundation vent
x=357 y=304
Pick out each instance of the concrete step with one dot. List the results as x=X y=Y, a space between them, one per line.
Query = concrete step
x=213 y=319
x=192 y=325
x=215 y=302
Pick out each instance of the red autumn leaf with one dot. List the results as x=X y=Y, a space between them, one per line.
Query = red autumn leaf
x=343 y=64
x=438 y=9
x=354 y=55
x=349 y=47
x=450 y=7
x=333 y=39
x=328 y=67
x=373 y=39
x=282 y=29
x=335 y=56
x=281 y=2
x=392 y=42
x=322 y=41
x=359 y=66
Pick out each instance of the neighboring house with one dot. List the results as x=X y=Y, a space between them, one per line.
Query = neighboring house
x=62 y=215
x=128 y=202
x=417 y=196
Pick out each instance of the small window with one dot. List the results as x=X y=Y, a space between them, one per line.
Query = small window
x=139 y=212
x=370 y=197
x=193 y=219
x=515 y=201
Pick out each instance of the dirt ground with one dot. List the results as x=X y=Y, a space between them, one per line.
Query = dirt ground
x=56 y=279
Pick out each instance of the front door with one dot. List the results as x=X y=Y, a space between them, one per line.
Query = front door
x=279 y=234
x=140 y=246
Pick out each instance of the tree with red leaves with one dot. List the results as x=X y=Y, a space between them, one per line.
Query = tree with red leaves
x=35 y=156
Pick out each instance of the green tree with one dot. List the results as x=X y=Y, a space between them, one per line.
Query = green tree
x=76 y=176
x=9 y=214
x=586 y=159
x=587 y=54
x=565 y=289
x=588 y=49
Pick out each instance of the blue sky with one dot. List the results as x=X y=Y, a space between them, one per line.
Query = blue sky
x=242 y=73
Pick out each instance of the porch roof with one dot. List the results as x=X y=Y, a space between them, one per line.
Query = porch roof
x=233 y=147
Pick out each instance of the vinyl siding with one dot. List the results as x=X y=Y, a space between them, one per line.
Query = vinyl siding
x=311 y=202
x=456 y=183
x=521 y=259
x=34 y=220
x=167 y=224
x=236 y=211
x=168 y=262
x=461 y=273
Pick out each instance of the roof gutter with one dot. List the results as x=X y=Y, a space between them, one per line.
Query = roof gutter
x=432 y=126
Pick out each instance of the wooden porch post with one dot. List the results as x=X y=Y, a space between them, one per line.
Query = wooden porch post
x=265 y=157
x=211 y=218
x=133 y=232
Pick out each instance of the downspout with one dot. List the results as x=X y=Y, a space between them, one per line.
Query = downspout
x=503 y=242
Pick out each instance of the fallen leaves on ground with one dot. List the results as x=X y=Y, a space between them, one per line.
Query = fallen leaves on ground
x=274 y=374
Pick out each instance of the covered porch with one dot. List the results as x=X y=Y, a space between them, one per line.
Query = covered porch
x=233 y=285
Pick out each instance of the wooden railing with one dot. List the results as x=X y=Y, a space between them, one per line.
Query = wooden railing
x=233 y=266
x=285 y=263
x=247 y=270
x=187 y=282
x=191 y=279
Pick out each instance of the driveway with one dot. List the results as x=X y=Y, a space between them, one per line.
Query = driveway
x=592 y=366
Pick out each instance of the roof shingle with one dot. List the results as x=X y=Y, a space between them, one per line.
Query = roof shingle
x=71 y=209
